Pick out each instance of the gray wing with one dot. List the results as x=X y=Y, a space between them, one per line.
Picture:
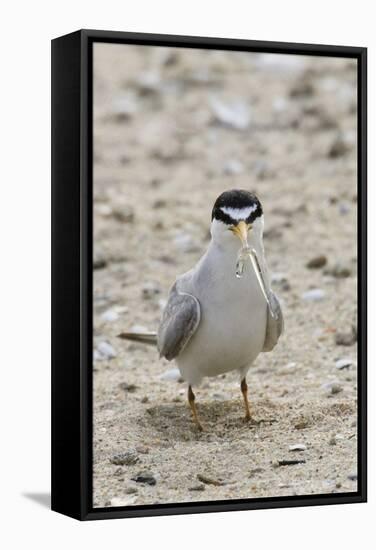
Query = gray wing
x=180 y=320
x=274 y=324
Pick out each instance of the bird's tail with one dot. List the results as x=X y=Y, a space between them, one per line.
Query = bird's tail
x=144 y=337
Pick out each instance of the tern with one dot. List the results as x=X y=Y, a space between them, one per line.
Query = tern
x=221 y=314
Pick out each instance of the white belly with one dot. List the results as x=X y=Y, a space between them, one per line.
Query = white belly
x=232 y=328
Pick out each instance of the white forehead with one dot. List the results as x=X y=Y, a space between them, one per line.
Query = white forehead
x=239 y=213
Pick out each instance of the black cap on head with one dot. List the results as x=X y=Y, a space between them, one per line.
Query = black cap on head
x=235 y=205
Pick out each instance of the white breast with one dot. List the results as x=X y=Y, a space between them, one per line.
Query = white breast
x=233 y=318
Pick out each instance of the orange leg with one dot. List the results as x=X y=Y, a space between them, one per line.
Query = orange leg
x=244 y=388
x=192 y=404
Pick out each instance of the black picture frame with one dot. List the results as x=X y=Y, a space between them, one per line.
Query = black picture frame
x=72 y=246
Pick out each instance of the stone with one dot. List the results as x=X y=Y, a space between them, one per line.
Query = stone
x=127 y=458
x=149 y=83
x=122 y=501
x=146 y=478
x=314 y=295
x=317 y=262
x=198 y=487
x=332 y=387
x=124 y=108
x=150 y=290
x=172 y=375
x=338 y=270
x=344 y=363
x=105 y=351
x=347 y=338
x=130 y=388
x=297 y=447
x=289 y=462
x=235 y=114
x=338 y=148
x=209 y=480
x=123 y=213
x=130 y=490
x=109 y=316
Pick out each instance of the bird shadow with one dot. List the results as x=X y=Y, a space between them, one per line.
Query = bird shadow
x=219 y=420
x=43 y=499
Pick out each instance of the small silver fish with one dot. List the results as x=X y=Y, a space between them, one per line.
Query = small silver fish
x=246 y=253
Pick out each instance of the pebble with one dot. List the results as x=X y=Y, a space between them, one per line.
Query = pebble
x=159 y=203
x=143 y=449
x=139 y=328
x=281 y=281
x=121 y=501
x=198 y=487
x=131 y=388
x=339 y=270
x=109 y=316
x=172 y=375
x=149 y=290
x=130 y=490
x=332 y=387
x=209 y=481
x=344 y=363
x=297 y=447
x=104 y=210
x=99 y=262
x=317 y=262
x=301 y=424
x=352 y=477
x=146 y=478
x=233 y=167
x=288 y=462
x=234 y=114
x=149 y=83
x=332 y=440
x=277 y=278
x=124 y=108
x=128 y=458
x=302 y=89
x=105 y=351
x=338 y=148
x=346 y=338
x=336 y=388
x=314 y=295
x=124 y=213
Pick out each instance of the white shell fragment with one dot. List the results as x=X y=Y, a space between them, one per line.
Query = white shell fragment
x=109 y=316
x=172 y=375
x=344 y=363
x=122 y=501
x=297 y=447
x=235 y=114
x=314 y=295
x=104 y=351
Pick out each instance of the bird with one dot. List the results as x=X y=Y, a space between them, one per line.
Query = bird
x=217 y=318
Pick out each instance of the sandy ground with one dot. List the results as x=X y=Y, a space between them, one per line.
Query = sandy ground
x=173 y=129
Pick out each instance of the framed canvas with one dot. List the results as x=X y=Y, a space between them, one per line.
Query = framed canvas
x=208 y=274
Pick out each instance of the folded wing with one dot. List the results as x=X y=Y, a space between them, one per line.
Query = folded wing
x=274 y=324
x=180 y=320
